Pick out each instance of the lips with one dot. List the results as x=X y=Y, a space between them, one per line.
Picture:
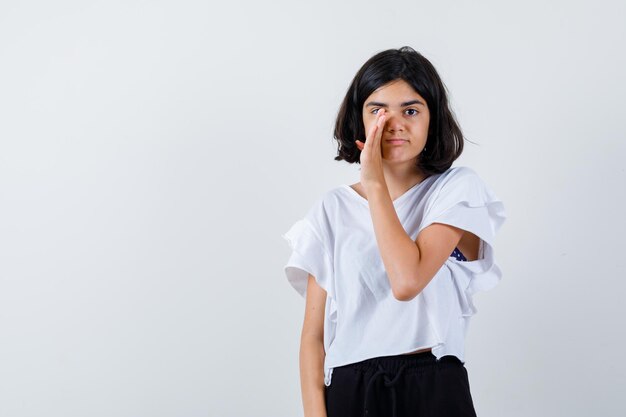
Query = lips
x=396 y=141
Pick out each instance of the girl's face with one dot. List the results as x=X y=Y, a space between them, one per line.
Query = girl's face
x=406 y=128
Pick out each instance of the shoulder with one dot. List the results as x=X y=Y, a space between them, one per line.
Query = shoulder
x=459 y=173
x=325 y=207
x=459 y=178
x=326 y=200
x=461 y=197
x=458 y=184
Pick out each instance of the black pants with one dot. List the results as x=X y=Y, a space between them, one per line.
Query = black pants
x=415 y=385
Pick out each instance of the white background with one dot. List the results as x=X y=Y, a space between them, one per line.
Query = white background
x=153 y=152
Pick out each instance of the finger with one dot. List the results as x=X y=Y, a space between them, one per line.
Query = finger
x=380 y=124
x=373 y=132
x=372 y=138
x=371 y=135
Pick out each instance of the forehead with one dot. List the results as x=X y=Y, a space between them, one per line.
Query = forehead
x=397 y=90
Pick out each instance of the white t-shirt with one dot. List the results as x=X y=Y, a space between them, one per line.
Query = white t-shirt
x=336 y=243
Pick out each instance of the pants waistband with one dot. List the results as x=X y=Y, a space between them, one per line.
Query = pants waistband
x=393 y=363
x=388 y=371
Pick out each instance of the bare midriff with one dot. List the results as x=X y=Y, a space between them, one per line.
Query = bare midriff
x=418 y=351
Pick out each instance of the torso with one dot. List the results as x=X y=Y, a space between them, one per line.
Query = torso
x=468 y=245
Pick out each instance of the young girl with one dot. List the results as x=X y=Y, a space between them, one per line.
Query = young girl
x=388 y=266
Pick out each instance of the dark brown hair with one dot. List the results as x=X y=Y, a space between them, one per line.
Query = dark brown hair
x=445 y=139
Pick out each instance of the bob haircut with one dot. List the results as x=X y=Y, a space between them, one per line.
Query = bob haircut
x=444 y=143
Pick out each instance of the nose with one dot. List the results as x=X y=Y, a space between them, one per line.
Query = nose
x=394 y=123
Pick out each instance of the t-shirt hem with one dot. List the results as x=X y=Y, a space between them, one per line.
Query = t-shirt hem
x=328 y=371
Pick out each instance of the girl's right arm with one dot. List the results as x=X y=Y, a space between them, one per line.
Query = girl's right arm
x=312 y=351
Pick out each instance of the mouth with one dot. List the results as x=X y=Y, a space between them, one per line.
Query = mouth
x=396 y=141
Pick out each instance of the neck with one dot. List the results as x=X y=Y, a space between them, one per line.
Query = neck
x=401 y=177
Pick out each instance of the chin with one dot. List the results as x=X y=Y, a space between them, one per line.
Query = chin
x=400 y=154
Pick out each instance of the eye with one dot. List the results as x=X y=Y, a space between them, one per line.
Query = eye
x=374 y=111
x=411 y=110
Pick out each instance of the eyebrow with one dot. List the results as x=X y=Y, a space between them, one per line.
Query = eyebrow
x=379 y=104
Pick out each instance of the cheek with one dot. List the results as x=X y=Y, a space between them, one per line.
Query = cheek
x=426 y=123
x=367 y=124
x=421 y=126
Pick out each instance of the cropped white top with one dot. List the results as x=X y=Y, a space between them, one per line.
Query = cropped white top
x=335 y=242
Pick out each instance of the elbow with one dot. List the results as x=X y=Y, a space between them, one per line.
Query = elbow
x=407 y=292
x=404 y=296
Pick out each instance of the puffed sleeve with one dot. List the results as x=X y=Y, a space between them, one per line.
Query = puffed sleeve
x=310 y=254
x=465 y=201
